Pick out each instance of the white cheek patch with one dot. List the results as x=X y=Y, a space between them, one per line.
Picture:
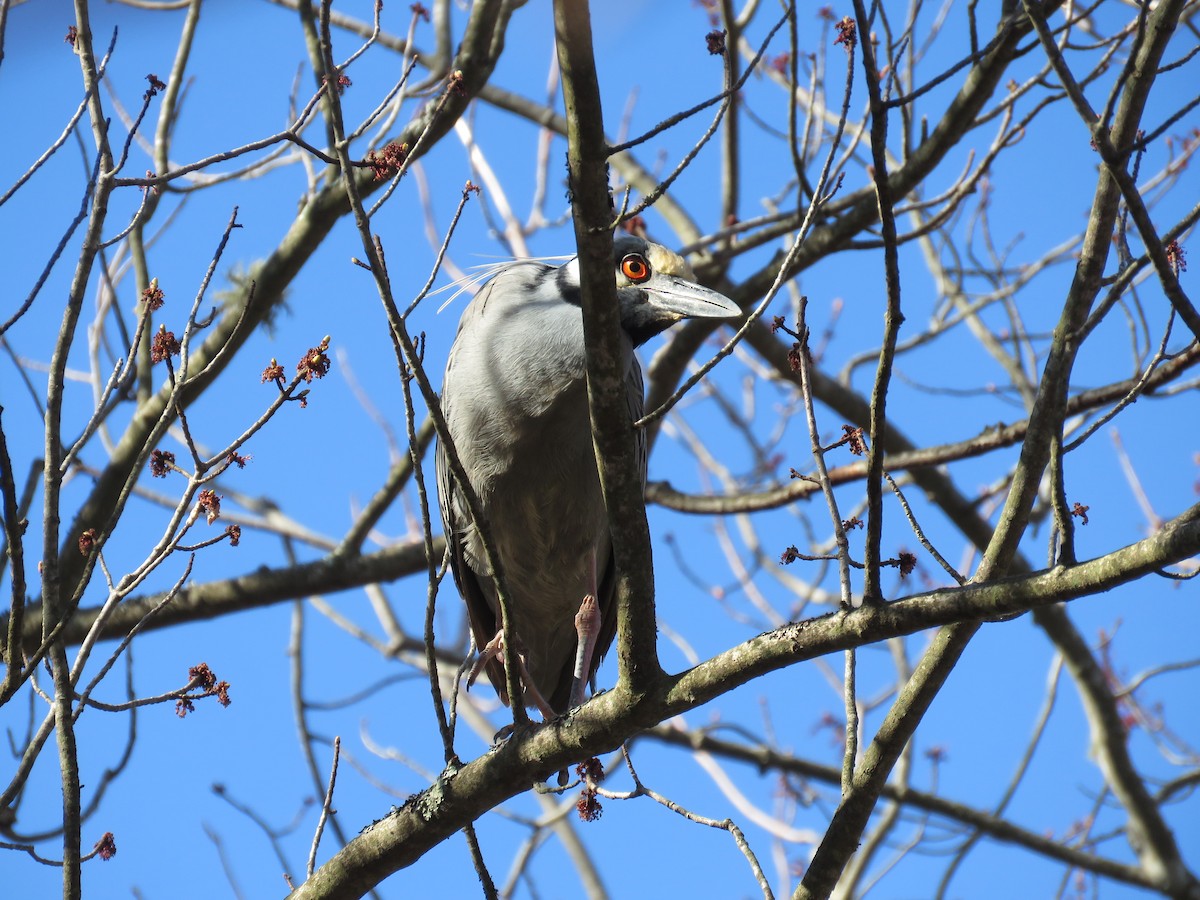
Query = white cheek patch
x=665 y=262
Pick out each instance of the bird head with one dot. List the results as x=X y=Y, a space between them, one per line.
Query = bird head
x=657 y=288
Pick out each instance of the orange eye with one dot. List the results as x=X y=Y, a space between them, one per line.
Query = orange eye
x=635 y=268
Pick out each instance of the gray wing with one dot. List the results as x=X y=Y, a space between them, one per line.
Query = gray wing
x=456 y=521
x=456 y=524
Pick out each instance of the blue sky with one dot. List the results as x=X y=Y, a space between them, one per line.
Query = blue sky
x=323 y=463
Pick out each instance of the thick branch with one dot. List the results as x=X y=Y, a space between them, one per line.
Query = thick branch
x=616 y=448
x=403 y=837
x=262 y=587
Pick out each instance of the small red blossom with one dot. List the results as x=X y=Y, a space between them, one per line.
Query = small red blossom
x=908 y=562
x=456 y=83
x=1080 y=511
x=715 y=40
x=273 y=372
x=1176 y=257
x=164 y=345
x=152 y=296
x=592 y=773
x=420 y=11
x=72 y=35
x=793 y=357
x=210 y=504
x=342 y=82
x=236 y=459
x=847 y=33
x=589 y=807
x=591 y=770
x=235 y=534
x=87 y=542
x=162 y=462
x=854 y=437
x=315 y=363
x=387 y=162
x=202 y=675
x=789 y=556
x=852 y=522
x=106 y=847
x=779 y=64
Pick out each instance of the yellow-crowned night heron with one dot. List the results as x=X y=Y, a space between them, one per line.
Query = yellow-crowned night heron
x=515 y=403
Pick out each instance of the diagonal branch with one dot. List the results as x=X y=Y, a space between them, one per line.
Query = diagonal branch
x=428 y=818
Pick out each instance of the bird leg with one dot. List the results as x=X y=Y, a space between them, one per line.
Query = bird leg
x=494 y=649
x=587 y=627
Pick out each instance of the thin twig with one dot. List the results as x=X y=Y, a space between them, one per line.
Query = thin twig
x=326 y=807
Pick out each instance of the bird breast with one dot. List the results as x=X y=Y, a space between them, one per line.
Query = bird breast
x=516 y=405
